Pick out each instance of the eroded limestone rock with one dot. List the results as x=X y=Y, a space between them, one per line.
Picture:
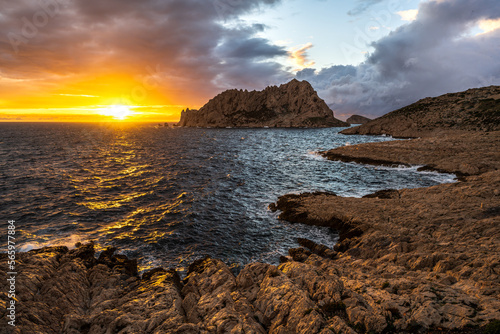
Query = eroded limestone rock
x=295 y=104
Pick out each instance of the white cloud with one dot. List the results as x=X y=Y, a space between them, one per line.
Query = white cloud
x=408 y=15
x=283 y=42
x=489 y=25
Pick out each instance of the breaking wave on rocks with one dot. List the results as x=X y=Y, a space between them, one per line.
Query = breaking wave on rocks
x=170 y=196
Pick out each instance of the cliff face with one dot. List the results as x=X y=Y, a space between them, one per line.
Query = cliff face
x=294 y=104
x=358 y=119
x=473 y=110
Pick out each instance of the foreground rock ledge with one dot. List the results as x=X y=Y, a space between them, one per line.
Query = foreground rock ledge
x=70 y=291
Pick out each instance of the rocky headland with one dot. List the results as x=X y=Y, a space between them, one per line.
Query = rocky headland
x=295 y=104
x=473 y=110
x=408 y=261
x=358 y=119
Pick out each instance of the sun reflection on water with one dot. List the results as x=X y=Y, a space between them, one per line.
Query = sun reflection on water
x=164 y=196
x=101 y=204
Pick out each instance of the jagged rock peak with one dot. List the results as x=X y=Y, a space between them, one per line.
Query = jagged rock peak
x=294 y=104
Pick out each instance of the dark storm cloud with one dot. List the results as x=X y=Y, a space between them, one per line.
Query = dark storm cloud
x=253 y=48
x=432 y=55
x=246 y=60
x=185 y=40
x=239 y=43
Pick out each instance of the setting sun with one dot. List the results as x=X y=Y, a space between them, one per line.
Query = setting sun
x=119 y=112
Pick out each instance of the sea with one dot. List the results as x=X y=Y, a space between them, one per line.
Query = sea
x=169 y=196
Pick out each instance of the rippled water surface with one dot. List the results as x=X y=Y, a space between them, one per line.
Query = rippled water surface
x=169 y=196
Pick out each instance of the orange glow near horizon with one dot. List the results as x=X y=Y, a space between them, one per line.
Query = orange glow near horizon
x=97 y=98
x=111 y=113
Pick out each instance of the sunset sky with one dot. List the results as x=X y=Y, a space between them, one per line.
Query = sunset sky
x=145 y=60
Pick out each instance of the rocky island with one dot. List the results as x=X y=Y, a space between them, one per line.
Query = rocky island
x=295 y=104
x=408 y=261
x=358 y=119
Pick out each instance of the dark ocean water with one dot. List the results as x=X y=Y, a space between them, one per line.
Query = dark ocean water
x=170 y=196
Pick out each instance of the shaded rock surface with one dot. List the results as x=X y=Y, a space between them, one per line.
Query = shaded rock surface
x=358 y=119
x=473 y=110
x=295 y=104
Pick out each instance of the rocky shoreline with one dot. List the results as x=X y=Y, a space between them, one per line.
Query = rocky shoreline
x=409 y=261
x=455 y=152
x=430 y=256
